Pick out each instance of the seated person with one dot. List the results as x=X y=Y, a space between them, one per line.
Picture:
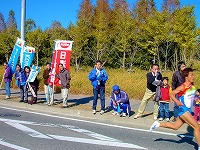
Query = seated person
x=119 y=100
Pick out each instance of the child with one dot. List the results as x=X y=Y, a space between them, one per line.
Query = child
x=165 y=99
x=197 y=106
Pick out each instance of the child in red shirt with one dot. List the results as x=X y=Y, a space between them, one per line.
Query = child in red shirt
x=165 y=99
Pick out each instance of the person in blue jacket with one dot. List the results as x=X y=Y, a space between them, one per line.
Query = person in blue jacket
x=21 y=83
x=98 y=78
x=120 y=100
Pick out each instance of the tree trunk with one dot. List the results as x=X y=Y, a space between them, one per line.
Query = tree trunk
x=76 y=63
x=123 y=61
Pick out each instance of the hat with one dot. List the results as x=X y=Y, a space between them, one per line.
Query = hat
x=115 y=88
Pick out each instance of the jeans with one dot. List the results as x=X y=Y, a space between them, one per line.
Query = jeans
x=24 y=93
x=164 y=110
x=125 y=107
x=176 y=108
x=102 y=98
x=7 y=87
x=64 y=95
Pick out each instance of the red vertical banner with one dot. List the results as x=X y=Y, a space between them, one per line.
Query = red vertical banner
x=61 y=54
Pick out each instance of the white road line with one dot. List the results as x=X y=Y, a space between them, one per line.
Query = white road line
x=102 y=140
x=28 y=130
x=96 y=142
x=91 y=134
x=104 y=124
x=12 y=146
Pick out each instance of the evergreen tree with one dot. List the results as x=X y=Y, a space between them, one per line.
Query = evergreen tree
x=11 y=22
x=101 y=29
x=2 y=23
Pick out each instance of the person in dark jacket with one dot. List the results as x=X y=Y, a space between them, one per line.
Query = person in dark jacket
x=120 y=100
x=21 y=83
x=153 y=79
x=46 y=75
x=65 y=78
x=7 y=79
x=177 y=80
x=98 y=78
x=33 y=85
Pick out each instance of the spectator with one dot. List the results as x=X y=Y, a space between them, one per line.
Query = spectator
x=120 y=100
x=98 y=78
x=153 y=79
x=64 y=77
x=46 y=75
x=197 y=106
x=21 y=83
x=165 y=99
x=7 y=79
x=177 y=80
x=186 y=93
x=34 y=86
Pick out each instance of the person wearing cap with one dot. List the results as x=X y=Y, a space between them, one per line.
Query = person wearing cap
x=119 y=99
x=98 y=78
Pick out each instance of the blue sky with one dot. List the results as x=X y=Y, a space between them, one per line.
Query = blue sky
x=43 y=12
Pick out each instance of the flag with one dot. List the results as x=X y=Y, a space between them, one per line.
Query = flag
x=33 y=74
x=15 y=54
x=61 y=54
x=28 y=56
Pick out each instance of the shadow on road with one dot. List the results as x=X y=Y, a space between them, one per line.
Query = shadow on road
x=184 y=138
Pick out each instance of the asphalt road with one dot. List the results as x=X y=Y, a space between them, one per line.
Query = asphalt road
x=24 y=129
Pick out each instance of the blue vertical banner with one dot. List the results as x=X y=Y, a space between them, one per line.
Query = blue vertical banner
x=15 y=54
x=28 y=55
x=33 y=74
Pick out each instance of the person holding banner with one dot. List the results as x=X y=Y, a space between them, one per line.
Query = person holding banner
x=46 y=75
x=119 y=100
x=98 y=78
x=33 y=86
x=65 y=78
x=21 y=83
x=7 y=79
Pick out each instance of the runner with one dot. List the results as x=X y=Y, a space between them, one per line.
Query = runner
x=186 y=94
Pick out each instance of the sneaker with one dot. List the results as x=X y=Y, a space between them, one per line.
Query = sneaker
x=102 y=112
x=65 y=105
x=160 y=119
x=123 y=114
x=21 y=100
x=155 y=125
x=167 y=119
x=94 y=111
x=155 y=117
x=7 y=97
x=137 y=116
x=115 y=113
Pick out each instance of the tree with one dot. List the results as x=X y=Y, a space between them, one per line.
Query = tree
x=40 y=41
x=81 y=32
x=101 y=28
x=185 y=32
x=2 y=23
x=11 y=22
x=30 y=25
x=123 y=25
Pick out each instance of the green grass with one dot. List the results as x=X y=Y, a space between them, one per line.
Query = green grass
x=133 y=83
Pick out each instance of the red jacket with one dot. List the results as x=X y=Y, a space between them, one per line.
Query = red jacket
x=165 y=93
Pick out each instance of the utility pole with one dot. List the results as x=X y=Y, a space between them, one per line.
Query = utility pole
x=23 y=19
